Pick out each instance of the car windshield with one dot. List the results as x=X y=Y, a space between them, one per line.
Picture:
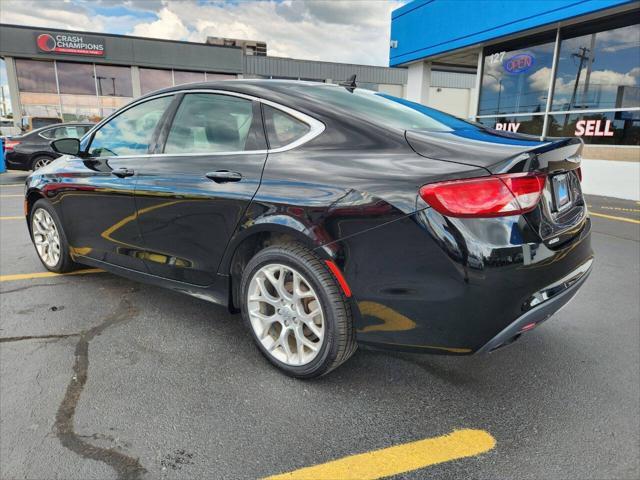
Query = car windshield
x=383 y=109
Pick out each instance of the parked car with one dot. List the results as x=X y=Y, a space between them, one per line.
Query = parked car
x=32 y=150
x=7 y=127
x=326 y=215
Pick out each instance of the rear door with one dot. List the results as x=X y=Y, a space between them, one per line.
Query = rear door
x=192 y=193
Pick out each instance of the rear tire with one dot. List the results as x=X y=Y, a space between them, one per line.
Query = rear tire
x=306 y=334
x=40 y=161
x=49 y=239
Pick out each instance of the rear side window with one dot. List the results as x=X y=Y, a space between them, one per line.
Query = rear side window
x=282 y=128
x=208 y=122
x=75 y=131
x=130 y=132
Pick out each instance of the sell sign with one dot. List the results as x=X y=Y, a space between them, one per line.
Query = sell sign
x=70 y=44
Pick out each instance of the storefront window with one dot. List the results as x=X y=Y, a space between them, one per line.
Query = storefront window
x=599 y=70
x=530 y=124
x=36 y=76
x=152 y=79
x=219 y=76
x=610 y=128
x=5 y=99
x=516 y=80
x=187 y=77
x=76 y=78
x=114 y=81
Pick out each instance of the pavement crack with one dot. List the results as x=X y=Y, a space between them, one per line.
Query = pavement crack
x=126 y=467
x=39 y=337
x=27 y=287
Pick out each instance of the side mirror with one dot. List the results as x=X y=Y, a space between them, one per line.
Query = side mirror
x=66 y=146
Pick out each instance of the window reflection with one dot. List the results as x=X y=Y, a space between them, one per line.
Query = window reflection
x=114 y=81
x=5 y=97
x=599 y=70
x=76 y=78
x=516 y=80
x=130 y=132
x=187 y=77
x=153 y=79
x=531 y=124
x=36 y=76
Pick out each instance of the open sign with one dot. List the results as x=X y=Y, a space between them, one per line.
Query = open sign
x=518 y=63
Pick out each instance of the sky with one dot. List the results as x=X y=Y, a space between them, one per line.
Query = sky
x=351 y=31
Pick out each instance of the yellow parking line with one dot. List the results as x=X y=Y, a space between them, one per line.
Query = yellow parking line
x=398 y=459
x=11 y=184
x=12 y=218
x=11 y=195
x=611 y=217
x=31 y=276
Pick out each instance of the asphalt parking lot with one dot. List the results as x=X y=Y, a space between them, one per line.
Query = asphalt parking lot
x=101 y=378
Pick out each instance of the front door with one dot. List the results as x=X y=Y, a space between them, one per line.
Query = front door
x=191 y=196
x=98 y=194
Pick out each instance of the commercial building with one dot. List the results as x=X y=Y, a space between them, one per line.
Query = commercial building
x=546 y=68
x=249 y=47
x=86 y=76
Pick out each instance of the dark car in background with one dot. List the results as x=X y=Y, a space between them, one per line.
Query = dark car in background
x=327 y=215
x=32 y=150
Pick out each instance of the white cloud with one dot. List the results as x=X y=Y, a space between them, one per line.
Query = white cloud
x=352 y=31
x=345 y=31
x=168 y=25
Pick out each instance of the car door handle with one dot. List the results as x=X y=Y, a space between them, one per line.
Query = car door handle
x=223 y=176
x=123 y=172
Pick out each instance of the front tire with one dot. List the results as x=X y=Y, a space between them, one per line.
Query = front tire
x=49 y=239
x=297 y=314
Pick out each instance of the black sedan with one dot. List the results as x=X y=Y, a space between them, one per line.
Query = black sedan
x=327 y=215
x=32 y=151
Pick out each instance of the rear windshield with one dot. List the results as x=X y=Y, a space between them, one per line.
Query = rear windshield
x=383 y=109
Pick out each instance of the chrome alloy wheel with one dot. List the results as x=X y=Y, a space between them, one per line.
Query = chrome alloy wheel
x=41 y=162
x=46 y=237
x=285 y=314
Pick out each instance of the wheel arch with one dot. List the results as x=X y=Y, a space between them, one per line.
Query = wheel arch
x=276 y=230
x=30 y=199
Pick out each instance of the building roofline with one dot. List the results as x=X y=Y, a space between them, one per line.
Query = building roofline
x=116 y=35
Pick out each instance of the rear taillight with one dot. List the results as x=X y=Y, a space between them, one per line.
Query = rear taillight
x=494 y=196
x=9 y=145
x=579 y=173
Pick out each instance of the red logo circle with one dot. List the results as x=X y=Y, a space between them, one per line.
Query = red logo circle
x=46 y=42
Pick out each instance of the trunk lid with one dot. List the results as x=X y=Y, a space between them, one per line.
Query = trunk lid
x=561 y=212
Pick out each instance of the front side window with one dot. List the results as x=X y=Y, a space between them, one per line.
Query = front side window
x=282 y=128
x=206 y=123
x=130 y=132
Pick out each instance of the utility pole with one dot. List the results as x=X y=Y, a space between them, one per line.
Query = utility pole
x=583 y=55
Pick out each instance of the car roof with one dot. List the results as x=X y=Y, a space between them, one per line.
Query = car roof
x=57 y=125
x=269 y=89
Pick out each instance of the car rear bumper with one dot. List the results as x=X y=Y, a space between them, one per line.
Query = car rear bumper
x=458 y=286
x=16 y=161
x=544 y=304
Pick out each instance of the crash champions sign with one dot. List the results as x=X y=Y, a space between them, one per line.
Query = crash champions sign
x=70 y=44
